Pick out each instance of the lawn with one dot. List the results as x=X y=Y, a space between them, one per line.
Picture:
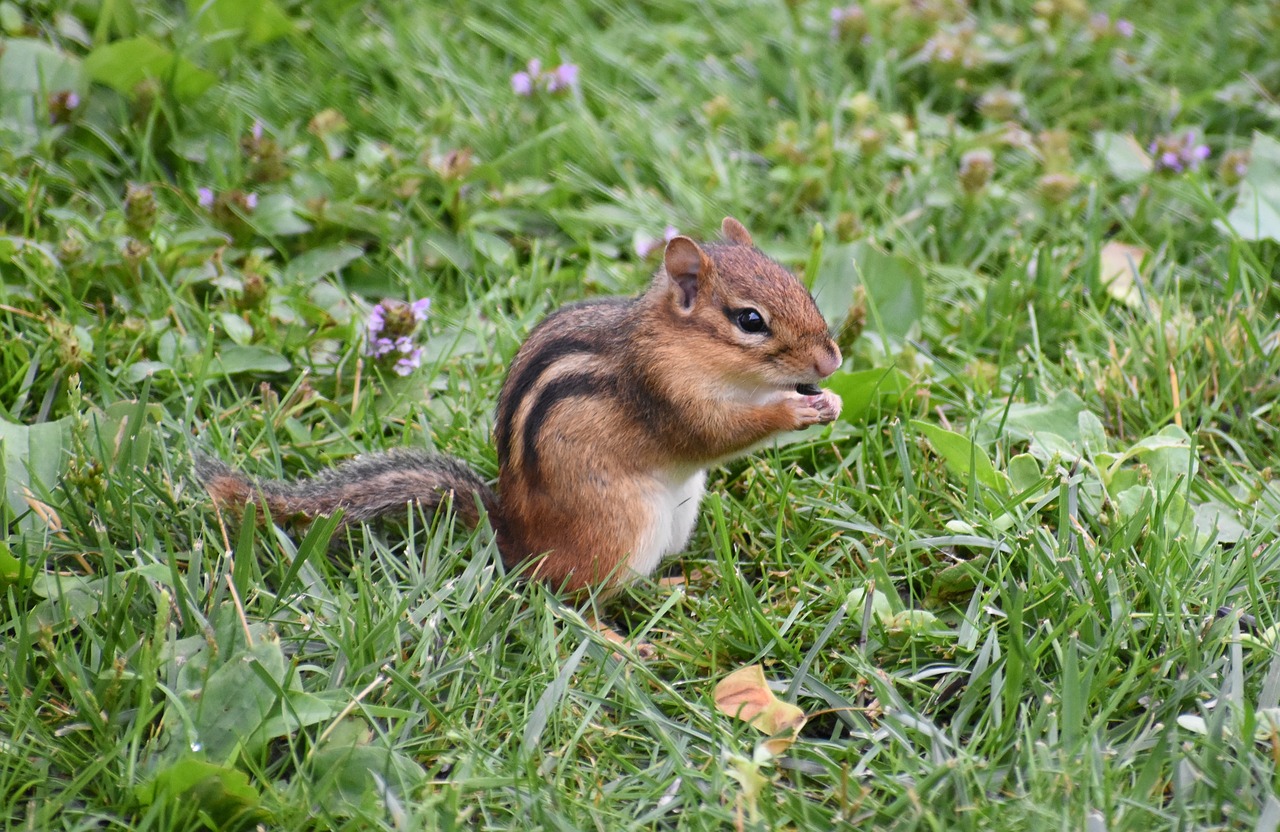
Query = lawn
x=1028 y=581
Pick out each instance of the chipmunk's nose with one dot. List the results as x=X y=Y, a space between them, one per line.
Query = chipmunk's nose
x=828 y=360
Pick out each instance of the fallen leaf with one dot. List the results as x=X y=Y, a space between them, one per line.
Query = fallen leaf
x=744 y=694
x=1118 y=267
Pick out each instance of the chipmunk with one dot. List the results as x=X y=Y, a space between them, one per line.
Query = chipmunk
x=610 y=414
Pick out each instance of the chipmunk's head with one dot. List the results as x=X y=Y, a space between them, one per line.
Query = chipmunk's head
x=743 y=315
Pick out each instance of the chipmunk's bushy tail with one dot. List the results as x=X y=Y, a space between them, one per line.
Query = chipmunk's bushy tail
x=366 y=488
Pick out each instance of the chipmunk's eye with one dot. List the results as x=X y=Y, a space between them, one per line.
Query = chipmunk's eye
x=749 y=320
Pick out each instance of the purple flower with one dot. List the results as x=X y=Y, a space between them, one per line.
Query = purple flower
x=1124 y=28
x=391 y=327
x=379 y=347
x=532 y=79
x=563 y=77
x=377 y=320
x=251 y=201
x=406 y=365
x=204 y=198
x=522 y=83
x=72 y=100
x=257 y=130
x=1177 y=154
x=669 y=233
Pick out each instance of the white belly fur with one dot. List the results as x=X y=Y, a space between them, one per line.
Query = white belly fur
x=673 y=510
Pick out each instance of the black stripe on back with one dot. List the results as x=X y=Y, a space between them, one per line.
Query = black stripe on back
x=519 y=385
x=564 y=387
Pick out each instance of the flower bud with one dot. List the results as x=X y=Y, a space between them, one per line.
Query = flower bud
x=1000 y=104
x=139 y=209
x=976 y=169
x=1056 y=188
x=1233 y=167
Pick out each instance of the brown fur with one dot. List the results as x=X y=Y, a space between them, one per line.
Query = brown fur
x=603 y=401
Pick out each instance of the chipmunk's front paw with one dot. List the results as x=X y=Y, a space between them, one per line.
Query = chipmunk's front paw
x=815 y=410
x=828 y=406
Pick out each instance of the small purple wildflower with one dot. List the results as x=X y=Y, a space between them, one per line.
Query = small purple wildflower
x=406 y=365
x=533 y=79
x=72 y=100
x=390 y=333
x=257 y=130
x=562 y=77
x=251 y=201
x=1102 y=26
x=377 y=320
x=522 y=83
x=1177 y=154
x=204 y=198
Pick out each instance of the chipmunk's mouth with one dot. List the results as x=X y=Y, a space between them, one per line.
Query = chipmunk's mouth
x=808 y=389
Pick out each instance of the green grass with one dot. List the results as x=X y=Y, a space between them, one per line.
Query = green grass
x=1061 y=639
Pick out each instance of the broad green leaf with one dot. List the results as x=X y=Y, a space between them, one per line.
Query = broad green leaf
x=126 y=63
x=237 y=359
x=856 y=601
x=68 y=600
x=1256 y=215
x=1220 y=522
x=1125 y=158
x=237 y=328
x=1168 y=455
x=915 y=621
x=223 y=792
x=302 y=709
x=957 y=580
x=1134 y=502
x=236 y=701
x=35 y=457
x=227 y=24
x=894 y=288
x=277 y=216
x=139 y=371
x=962 y=457
x=862 y=390
x=348 y=771
x=316 y=263
x=34 y=67
x=1024 y=421
x=1024 y=474
x=1093 y=437
x=10 y=567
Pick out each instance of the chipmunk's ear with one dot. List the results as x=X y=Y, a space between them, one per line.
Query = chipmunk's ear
x=689 y=268
x=735 y=233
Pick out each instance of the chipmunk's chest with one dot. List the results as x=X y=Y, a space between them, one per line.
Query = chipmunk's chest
x=672 y=508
